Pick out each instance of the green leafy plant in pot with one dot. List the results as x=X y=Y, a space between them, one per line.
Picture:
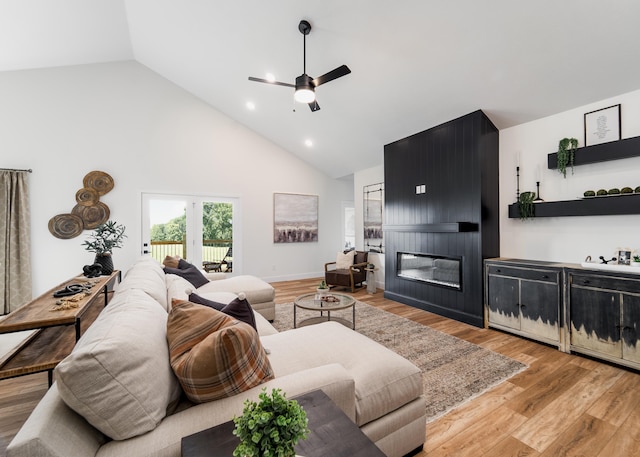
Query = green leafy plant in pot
x=270 y=427
x=526 y=207
x=323 y=288
x=104 y=239
x=566 y=154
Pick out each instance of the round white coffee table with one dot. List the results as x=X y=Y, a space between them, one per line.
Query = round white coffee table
x=324 y=304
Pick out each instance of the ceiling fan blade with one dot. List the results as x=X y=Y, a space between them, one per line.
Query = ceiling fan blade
x=314 y=106
x=333 y=74
x=277 y=83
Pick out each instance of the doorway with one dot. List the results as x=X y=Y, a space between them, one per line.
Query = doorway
x=200 y=229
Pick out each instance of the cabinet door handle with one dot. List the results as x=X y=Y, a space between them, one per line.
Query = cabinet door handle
x=545 y=277
x=498 y=270
x=586 y=281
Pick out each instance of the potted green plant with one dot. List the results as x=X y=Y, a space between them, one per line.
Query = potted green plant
x=635 y=261
x=104 y=239
x=270 y=427
x=323 y=288
x=566 y=154
x=526 y=206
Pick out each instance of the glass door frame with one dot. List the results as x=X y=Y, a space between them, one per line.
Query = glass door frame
x=194 y=225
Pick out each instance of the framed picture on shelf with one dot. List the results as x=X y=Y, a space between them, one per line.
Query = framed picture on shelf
x=624 y=257
x=602 y=126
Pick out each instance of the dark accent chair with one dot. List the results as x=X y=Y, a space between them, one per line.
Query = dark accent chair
x=350 y=277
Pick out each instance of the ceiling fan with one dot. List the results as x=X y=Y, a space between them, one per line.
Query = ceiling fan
x=305 y=85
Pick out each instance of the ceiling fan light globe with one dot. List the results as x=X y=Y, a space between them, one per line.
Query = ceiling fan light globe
x=304 y=95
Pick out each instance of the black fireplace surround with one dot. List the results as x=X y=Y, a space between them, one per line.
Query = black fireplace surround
x=442 y=216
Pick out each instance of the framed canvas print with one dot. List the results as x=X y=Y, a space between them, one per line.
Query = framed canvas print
x=295 y=218
x=602 y=126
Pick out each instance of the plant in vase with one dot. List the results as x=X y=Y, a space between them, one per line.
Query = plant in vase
x=566 y=154
x=526 y=206
x=323 y=288
x=104 y=239
x=635 y=261
x=270 y=427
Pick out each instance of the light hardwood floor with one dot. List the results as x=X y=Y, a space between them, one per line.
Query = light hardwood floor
x=563 y=405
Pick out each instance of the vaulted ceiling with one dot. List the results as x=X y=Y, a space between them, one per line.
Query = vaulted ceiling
x=414 y=63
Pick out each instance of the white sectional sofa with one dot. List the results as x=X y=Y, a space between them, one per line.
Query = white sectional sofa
x=120 y=383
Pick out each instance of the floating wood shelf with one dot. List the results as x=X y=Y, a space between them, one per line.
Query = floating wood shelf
x=593 y=206
x=614 y=150
x=450 y=227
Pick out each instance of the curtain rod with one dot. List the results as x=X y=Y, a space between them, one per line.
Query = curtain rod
x=15 y=169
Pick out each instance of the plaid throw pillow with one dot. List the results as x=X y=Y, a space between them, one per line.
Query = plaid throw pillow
x=213 y=355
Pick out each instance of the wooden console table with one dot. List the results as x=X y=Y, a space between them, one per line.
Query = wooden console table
x=56 y=331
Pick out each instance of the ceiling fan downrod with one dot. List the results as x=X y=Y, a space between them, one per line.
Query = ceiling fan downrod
x=305 y=29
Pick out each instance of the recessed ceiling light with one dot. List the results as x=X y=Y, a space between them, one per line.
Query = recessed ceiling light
x=251 y=106
x=270 y=77
x=308 y=143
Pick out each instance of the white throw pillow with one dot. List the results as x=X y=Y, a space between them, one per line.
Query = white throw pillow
x=118 y=376
x=344 y=261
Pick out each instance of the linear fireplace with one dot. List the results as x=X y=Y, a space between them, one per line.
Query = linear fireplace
x=435 y=269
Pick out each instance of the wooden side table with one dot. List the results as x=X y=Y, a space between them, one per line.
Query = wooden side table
x=371 y=280
x=332 y=434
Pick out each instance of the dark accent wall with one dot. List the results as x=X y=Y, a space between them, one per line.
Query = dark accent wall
x=458 y=163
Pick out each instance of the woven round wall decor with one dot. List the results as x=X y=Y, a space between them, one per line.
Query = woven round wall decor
x=98 y=180
x=89 y=212
x=87 y=196
x=92 y=216
x=65 y=226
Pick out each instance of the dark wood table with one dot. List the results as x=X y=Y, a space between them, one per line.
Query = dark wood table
x=56 y=331
x=332 y=434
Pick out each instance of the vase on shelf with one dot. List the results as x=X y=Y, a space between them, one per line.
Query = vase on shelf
x=106 y=262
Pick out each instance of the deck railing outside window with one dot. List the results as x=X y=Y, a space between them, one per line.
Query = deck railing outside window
x=212 y=250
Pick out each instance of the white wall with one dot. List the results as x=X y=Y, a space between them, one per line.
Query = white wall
x=566 y=239
x=363 y=178
x=150 y=136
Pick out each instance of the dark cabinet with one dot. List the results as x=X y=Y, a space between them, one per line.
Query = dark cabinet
x=524 y=299
x=604 y=316
x=587 y=311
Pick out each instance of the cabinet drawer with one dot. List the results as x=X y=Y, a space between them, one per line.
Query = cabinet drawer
x=550 y=276
x=603 y=282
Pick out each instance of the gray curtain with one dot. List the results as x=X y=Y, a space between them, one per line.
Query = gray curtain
x=15 y=242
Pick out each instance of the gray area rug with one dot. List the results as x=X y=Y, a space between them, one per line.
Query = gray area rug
x=454 y=371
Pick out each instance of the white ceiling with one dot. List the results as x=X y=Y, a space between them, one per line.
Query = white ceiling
x=414 y=63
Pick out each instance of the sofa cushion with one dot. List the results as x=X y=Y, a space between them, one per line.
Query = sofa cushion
x=147 y=275
x=171 y=261
x=117 y=376
x=239 y=308
x=195 y=298
x=255 y=289
x=191 y=274
x=384 y=380
x=214 y=355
